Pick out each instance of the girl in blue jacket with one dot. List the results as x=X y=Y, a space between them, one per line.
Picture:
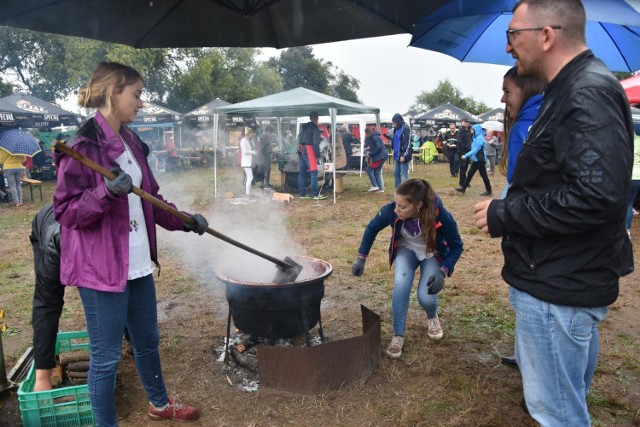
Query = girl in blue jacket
x=425 y=235
x=522 y=97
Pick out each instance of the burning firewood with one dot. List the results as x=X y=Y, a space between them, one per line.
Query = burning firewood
x=247 y=361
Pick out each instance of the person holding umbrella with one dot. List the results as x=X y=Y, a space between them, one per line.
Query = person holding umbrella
x=12 y=167
x=15 y=147
x=108 y=242
x=562 y=222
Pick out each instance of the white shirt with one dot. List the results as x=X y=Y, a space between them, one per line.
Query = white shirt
x=140 y=263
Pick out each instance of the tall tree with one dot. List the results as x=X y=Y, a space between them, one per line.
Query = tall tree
x=232 y=74
x=35 y=60
x=444 y=93
x=344 y=86
x=299 y=67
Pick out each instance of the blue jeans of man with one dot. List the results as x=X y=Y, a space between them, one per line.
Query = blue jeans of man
x=400 y=172
x=107 y=314
x=302 y=177
x=556 y=349
x=405 y=265
x=375 y=175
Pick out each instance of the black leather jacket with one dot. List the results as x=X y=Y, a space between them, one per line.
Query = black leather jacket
x=562 y=221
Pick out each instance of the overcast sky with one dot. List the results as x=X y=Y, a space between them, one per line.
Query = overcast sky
x=391 y=74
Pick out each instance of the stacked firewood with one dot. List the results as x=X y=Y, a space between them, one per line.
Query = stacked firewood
x=73 y=365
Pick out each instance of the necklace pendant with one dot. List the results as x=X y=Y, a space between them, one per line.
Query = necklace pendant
x=130 y=162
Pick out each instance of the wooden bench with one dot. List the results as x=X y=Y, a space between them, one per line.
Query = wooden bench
x=33 y=183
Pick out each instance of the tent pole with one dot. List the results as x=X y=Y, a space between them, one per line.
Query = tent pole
x=215 y=155
x=332 y=113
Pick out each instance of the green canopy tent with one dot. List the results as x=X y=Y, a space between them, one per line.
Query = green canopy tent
x=296 y=102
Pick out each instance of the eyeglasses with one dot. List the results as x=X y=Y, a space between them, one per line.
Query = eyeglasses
x=512 y=32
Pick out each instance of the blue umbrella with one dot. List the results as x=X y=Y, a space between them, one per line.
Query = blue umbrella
x=15 y=141
x=474 y=31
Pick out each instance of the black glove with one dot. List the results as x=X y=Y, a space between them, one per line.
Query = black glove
x=436 y=282
x=121 y=185
x=199 y=224
x=358 y=266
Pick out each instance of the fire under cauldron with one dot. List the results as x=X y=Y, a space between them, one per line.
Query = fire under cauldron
x=278 y=310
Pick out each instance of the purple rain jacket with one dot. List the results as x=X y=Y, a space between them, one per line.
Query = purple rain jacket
x=95 y=237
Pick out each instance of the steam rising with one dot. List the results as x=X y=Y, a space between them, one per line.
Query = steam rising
x=258 y=225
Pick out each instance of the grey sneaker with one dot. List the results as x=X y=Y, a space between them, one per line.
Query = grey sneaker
x=305 y=197
x=434 y=331
x=394 y=350
x=320 y=197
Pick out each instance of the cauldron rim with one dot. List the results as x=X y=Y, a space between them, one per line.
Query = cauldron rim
x=298 y=258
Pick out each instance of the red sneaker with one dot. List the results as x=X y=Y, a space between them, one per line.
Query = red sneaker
x=174 y=411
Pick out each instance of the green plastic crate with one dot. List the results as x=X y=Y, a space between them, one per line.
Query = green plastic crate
x=39 y=409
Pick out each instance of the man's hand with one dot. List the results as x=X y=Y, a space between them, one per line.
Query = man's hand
x=199 y=225
x=401 y=159
x=480 y=214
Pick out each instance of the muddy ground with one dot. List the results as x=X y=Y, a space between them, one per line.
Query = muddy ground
x=458 y=381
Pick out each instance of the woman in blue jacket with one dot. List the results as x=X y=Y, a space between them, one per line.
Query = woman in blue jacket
x=522 y=97
x=424 y=235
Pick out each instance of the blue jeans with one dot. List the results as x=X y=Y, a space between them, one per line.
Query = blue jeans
x=13 y=177
x=556 y=349
x=375 y=176
x=302 y=177
x=107 y=313
x=405 y=265
x=400 y=172
x=635 y=185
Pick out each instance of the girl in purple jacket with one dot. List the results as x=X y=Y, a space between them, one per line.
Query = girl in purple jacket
x=108 y=243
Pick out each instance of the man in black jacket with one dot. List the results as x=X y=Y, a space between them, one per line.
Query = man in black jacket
x=562 y=222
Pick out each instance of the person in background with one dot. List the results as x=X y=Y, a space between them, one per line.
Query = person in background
x=451 y=149
x=377 y=154
x=48 y=295
x=562 y=222
x=402 y=149
x=347 y=140
x=12 y=168
x=171 y=155
x=635 y=177
x=478 y=160
x=423 y=235
x=247 y=150
x=108 y=242
x=265 y=148
x=522 y=97
x=308 y=155
x=491 y=152
x=463 y=145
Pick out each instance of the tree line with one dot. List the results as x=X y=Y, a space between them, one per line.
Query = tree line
x=53 y=67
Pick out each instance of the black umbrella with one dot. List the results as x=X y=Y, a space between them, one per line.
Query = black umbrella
x=222 y=23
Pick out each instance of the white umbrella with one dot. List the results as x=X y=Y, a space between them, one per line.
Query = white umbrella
x=493 y=125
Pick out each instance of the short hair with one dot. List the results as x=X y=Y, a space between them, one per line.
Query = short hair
x=313 y=114
x=569 y=14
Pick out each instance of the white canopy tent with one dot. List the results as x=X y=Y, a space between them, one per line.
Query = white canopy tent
x=295 y=103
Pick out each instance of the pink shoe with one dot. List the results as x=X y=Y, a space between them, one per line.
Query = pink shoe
x=174 y=411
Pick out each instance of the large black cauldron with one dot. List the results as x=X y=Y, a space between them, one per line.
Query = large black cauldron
x=274 y=310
